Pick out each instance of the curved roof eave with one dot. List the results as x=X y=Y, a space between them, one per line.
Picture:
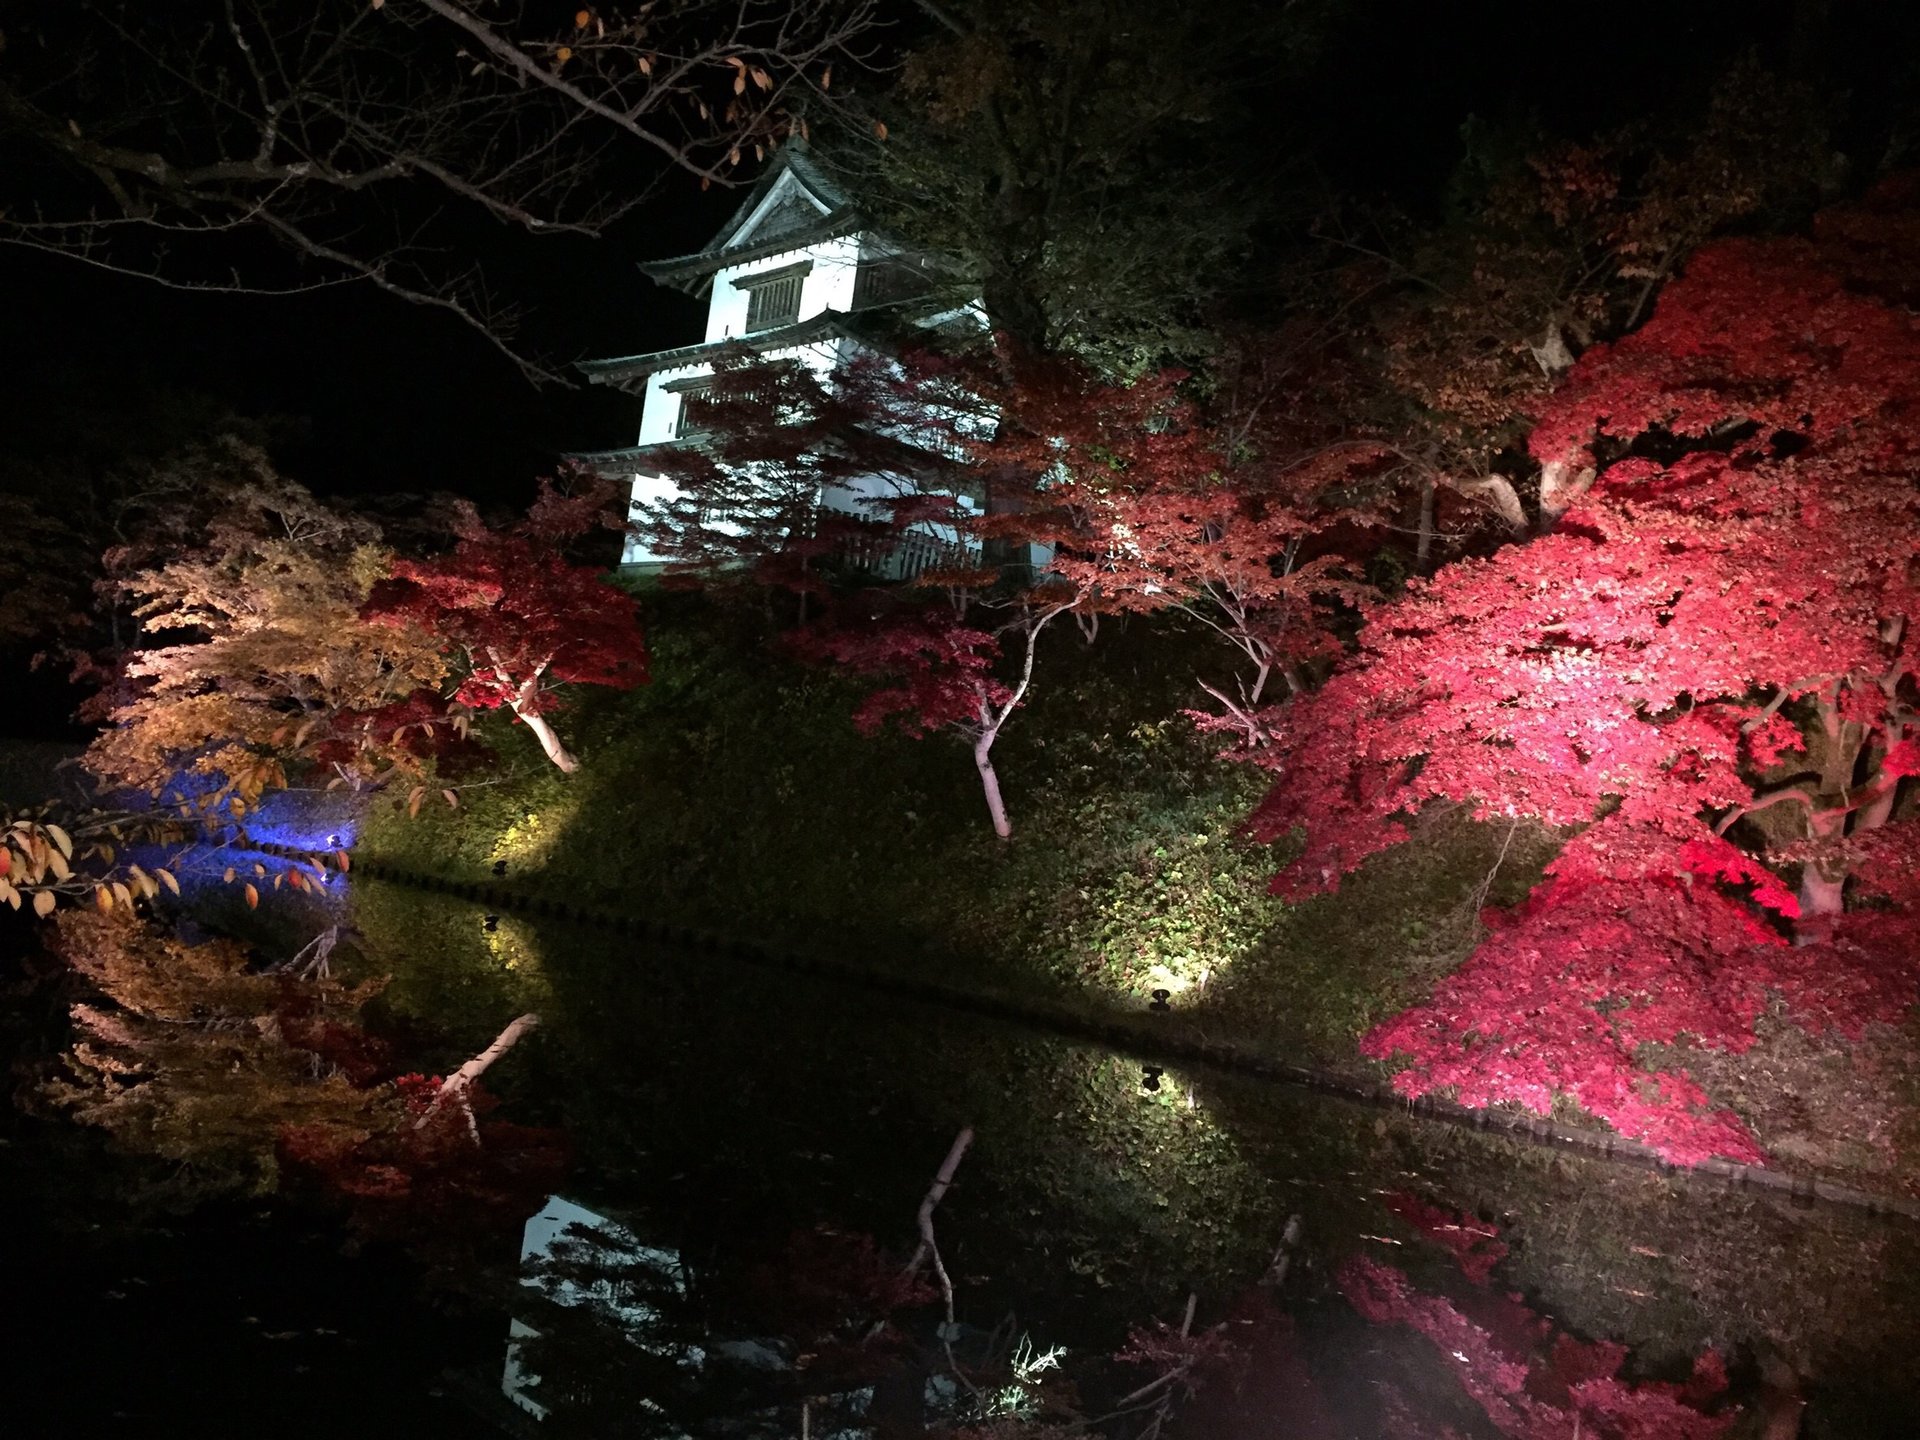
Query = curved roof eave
x=694 y=273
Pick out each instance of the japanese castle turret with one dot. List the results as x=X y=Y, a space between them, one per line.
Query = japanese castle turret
x=791 y=275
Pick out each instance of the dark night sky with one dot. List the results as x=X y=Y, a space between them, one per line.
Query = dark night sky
x=393 y=396
x=398 y=398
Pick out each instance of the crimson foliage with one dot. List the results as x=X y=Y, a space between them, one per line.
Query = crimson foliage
x=1702 y=666
x=1531 y=1381
x=517 y=616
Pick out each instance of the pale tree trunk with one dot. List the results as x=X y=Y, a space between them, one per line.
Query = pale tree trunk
x=1560 y=486
x=992 y=717
x=1259 y=686
x=549 y=742
x=456 y=1085
x=522 y=707
x=1823 y=878
x=990 y=784
x=1823 y=884
x=1423 y=551
x=1495 y=491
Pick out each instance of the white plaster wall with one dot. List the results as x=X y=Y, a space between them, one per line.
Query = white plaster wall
x=828 y=285
x=660 y=407
x=647 y=490
x=660 y=413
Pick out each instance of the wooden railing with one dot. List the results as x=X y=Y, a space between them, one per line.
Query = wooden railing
x=901 y=557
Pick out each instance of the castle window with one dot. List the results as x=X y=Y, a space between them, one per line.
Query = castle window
x=702 y=411
x=773 y=296
x=885 y=278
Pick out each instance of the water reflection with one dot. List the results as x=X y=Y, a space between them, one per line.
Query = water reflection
x=730 y=1105
x=564 y=1226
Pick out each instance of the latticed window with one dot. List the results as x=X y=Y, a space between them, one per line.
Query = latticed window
x=883 y=279
x=773 y=297
x=696 y=411
x=701 y=406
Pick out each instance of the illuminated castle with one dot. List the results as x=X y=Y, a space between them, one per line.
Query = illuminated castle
x=797 y=273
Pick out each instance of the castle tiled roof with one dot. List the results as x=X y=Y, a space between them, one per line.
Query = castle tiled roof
x=791 y=226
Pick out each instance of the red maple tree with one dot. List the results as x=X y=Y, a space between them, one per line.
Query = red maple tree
x=517 y=617
x=928 y=470
x=786 y=472
x=1530 y=1379
x=1531 y=1382
x=1702 y=662
x=1219 y=517
x=1036 y=515
x=934 y=665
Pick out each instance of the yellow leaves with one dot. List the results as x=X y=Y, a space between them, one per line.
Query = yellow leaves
x=227 y=877
x=562 y=56
x=453 y=800
x=646 y=64
x=34 y=866
x=414 y=800
x=343 y=860
x=880 y=129
x=253 y=898
x=581 y=19
x=826 y=78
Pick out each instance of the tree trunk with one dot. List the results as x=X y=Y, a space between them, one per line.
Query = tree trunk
x=1822 y=896
x=549 y=742
x=1259 y=686
x=990 y=786
x=456 y=1085
x=1823 y=878
x=1423 y=552
x=1823 y=882
x=522 y=706
x=1561 y=485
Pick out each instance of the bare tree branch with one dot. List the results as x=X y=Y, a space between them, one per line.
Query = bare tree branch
x=354 y=135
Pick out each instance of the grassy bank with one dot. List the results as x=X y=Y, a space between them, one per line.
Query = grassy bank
x=734 y=793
